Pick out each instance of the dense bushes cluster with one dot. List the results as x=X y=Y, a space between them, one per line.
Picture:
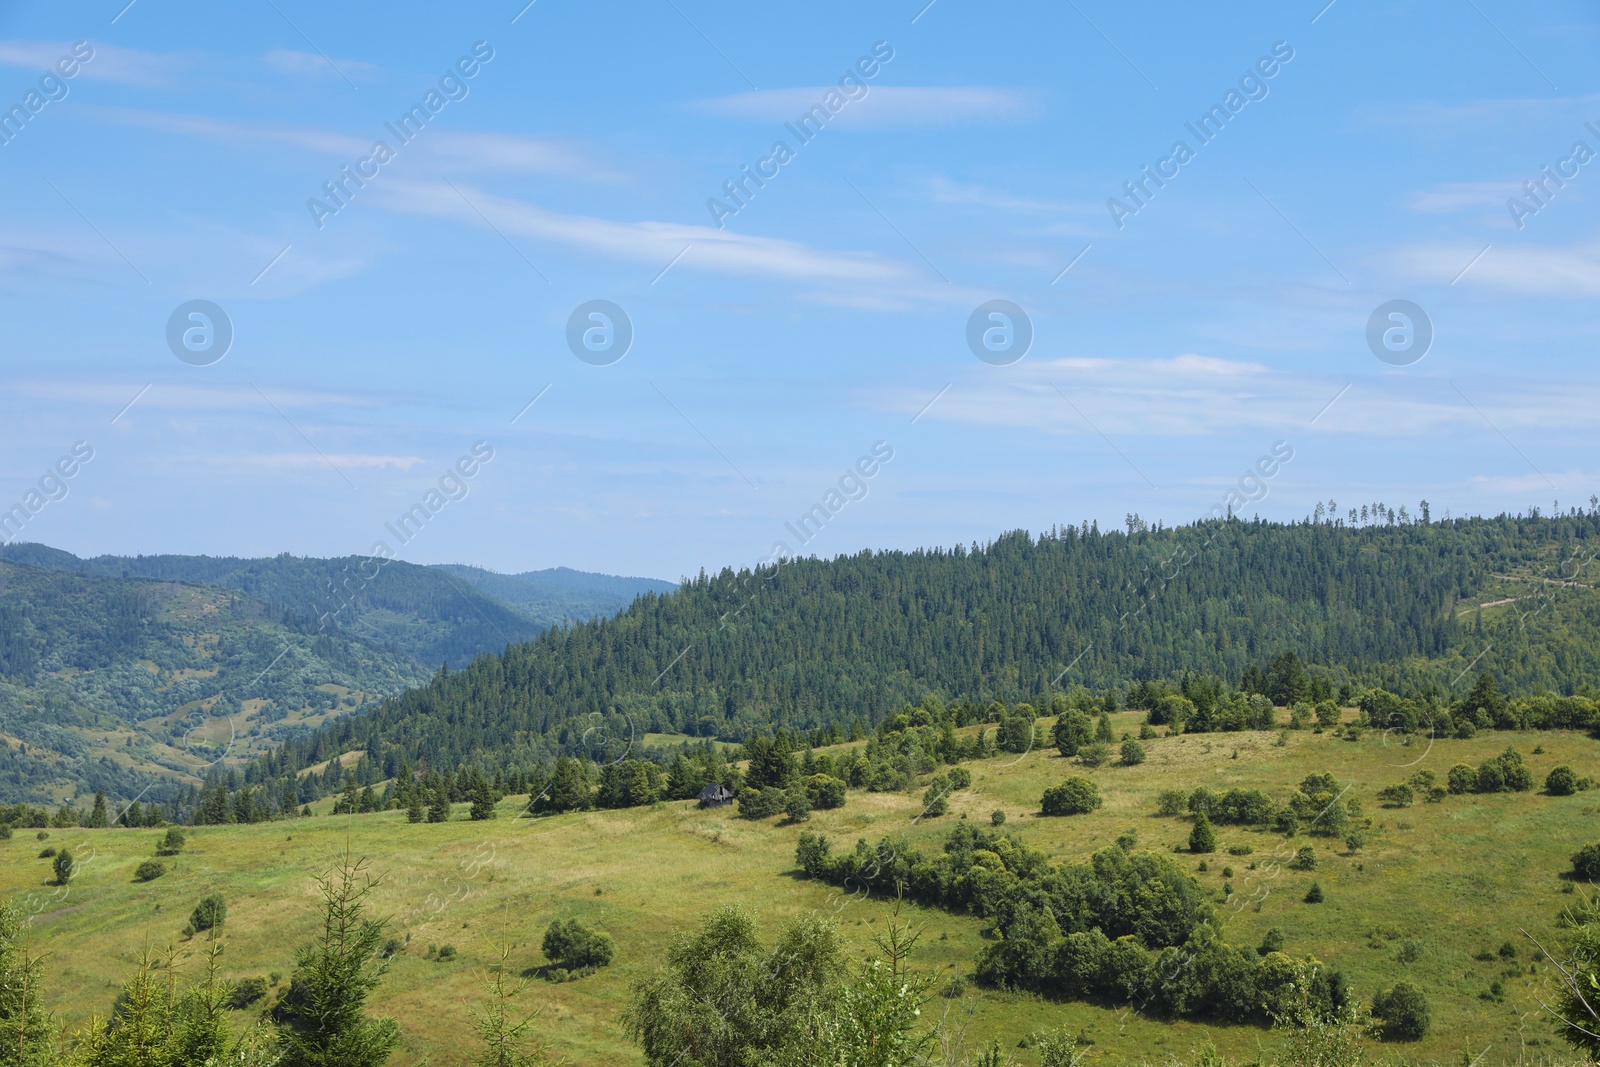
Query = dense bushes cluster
x=1120 y=928
x=1314 y=807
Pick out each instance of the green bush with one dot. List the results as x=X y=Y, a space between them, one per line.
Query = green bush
x=1305 y=859
x=210 y=912
x=1132 y=753
x=1397 y=796
x=1586 y=863
x=1097 y=754
x=1561 y=782
x=1314 y=894
x=64 y=867
x=997 y=818
x=1075 y=796
x=571 y=945
x=246 y=992
x=446 y=952
x=149 y=871
x=1462 y=779
x=797 y=806
x=1402 y=1011
x=825 y=791
x=46 y=853
x=760 y=803
x=172 y=844
x=1172 y=802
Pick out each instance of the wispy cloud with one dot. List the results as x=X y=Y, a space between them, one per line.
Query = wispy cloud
x=647 y=243
x=1535 y=270
x=1461 y=196
x=460 y=152
x=883 y=106
x=125 y=66
x=310 y=65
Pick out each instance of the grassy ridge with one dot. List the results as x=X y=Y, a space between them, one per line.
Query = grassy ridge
x=1457 y=877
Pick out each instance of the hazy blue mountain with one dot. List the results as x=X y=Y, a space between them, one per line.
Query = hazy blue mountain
x=558 y=594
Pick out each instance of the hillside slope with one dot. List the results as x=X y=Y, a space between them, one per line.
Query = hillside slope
x=418 y=612
x=820 y=642
x=132 y=684
x=557 y=594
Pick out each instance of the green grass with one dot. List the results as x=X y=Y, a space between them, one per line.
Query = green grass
x=1457 y=877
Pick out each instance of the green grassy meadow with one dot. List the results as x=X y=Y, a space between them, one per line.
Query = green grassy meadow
x=1457 y=877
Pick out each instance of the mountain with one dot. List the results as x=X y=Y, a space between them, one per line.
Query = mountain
x=132 y=685
x=130 y=673
x=1410 y=606
x=559 y=594
x=413 y=611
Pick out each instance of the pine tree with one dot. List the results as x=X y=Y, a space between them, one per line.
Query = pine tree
x=439 y=810
x=1102 y=731
x=1203 y=838
x=483 y=800
x=24 y=1024
x=414 y=809
x=335 y=973
x=98 y=818
x=504 y=1040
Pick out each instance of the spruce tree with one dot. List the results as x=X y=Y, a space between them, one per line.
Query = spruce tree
x=328 y=1026
x=505 y=1041
x=1202 y=838
x=98 y=818
x=24 y=1024
x=483 y=800
x=439 y=810
x=414 y=809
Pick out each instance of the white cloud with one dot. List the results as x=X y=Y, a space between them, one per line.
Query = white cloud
x=459 y=151
x=652 y=244
x=309 y=65
x=1193 y=395
x=125 y=66
x=884 y=105
x=1460 y=196
x=1534 y=270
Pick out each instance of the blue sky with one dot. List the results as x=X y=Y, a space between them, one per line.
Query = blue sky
x=827 y=313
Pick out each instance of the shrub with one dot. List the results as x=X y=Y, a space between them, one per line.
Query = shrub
x=1397 y=796
x=1586 y=863
x=1466 y=730
x=1128 y=840
x=1462 y=779
x=1075 y=796
x=1402 y=1011
x=246 y=992
x=1272 y=942
x=571 y=945
x=446 y=952
x=1202 y=838
x=1240 y=850
x=997 y=818
x=760 y=803
x=1314 y=894
x=1355 y=840
x=1132 y=753
x=825 y=791
x=954 y=988
x=797 y=806
x=391 y=949
x=211 y=911
x=149 y=871
x=63 y=867
x=172 y=844
x=1286 y=822
x=960 y=777
x=1561 y=782
x=1305 y=859
x=1146 y=732
x=1172 y=802
x=1097 y=754
x=5 y=831
x=46 y=853
x=1410 y=951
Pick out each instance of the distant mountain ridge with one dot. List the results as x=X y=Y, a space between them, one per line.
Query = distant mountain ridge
x=117 y=672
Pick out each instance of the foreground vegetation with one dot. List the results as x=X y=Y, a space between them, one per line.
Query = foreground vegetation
x=1432 y=887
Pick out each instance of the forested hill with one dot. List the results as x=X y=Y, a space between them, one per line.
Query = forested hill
x=1408 y=605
